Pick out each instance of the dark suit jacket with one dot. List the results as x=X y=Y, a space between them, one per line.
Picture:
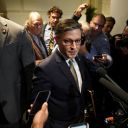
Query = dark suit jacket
x=16 y=67
x=66 y=102
x=39 y=54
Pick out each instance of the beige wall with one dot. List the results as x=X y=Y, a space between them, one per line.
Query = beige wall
x=18 y=10
x=119 y=9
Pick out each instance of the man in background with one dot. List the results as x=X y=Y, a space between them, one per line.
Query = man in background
x=16 y=70
x=54 y=15
x=108 y=26
x=34 y=26
x=96 y=47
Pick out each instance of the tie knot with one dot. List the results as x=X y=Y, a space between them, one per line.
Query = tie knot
x=70 y=62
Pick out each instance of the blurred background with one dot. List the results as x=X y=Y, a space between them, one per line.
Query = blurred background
x=18 y=10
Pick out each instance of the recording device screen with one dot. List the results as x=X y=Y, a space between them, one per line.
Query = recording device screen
x=79 y=125
x=42 y=96
x=97 y=57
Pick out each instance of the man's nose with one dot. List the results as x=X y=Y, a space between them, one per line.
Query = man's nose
x=97 y=27
x=73 y=45
x=56 y=19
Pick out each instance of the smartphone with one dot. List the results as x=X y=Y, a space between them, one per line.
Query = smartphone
x=79 y=125
x=42 y=96
x=96 y=57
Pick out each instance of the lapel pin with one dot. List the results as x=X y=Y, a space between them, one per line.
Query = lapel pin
x=3 y=31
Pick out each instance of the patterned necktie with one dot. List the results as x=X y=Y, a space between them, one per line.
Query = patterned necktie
x=73 y=71
x=51 y=42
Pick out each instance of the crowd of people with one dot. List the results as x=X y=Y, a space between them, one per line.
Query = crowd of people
x=64 y=57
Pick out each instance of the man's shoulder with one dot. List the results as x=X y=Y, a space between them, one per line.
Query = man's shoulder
x=10 y=23
x=52 y=60
x=102 y=38
x=14 y=29
x=47 y=62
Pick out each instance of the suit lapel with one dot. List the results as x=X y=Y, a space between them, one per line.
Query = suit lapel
x=3 y=32
x=41 y=38
x=65 y=69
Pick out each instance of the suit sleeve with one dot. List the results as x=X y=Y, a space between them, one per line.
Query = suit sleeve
x=26 y=51
x=40 y=78
x=76 y=18
x=28 y=64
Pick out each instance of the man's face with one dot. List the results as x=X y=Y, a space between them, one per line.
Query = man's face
x=97 y=23
x=69 y=43
x=36 y=26
x=54 y=18
x=108 y=27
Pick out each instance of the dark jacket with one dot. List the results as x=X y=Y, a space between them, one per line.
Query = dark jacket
x=66 y=102
x=16 y=68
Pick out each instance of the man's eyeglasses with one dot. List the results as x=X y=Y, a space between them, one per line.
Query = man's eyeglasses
x=69 y=42
x=37 y=25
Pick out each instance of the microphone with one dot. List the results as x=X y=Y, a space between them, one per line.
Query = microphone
x=103 y=73
x=120 y=93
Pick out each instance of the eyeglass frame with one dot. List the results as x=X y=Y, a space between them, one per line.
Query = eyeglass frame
x=69 y=42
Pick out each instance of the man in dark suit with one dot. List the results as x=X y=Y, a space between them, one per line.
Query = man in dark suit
x=16 y=69
x=34 y=26
x=68 y=95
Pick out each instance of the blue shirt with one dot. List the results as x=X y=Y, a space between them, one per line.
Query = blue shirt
x=99 y=45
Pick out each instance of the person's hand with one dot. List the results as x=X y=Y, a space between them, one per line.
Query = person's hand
x=37 y=62
x=41 y=117
x=105 y=60
x=80 y=9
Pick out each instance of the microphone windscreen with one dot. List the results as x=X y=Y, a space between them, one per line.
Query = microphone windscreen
x=119 y=92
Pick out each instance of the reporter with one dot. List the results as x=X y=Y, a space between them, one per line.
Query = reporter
x=41 y=117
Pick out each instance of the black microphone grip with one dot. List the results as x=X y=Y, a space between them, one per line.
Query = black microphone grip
x=120 y=93
x=103 y=73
